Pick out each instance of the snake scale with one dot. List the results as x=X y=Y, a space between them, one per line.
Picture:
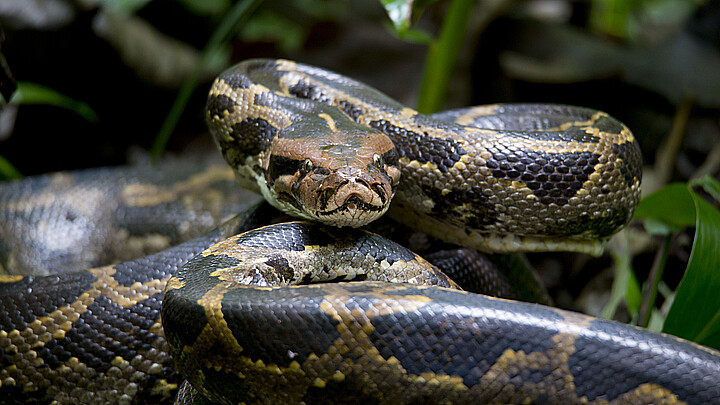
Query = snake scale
x=257 y=314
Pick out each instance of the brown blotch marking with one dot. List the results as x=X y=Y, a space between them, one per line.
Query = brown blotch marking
x=219 y=105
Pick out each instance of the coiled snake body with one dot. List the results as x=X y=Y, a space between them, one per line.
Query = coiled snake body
x=242 y=325
x=544 y=178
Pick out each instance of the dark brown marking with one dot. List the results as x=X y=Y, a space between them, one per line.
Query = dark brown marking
x=553 y=177
x=281 y=166
x=218 y=105
x=350 y=109
x=631 y=167
x=609 y=124
x=444 y=153
x=448 y=207
x=249 y=137
x=237 y=81
x=303 y=89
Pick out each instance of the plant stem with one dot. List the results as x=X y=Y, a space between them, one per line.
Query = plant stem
x=237 y=14
x=442 y=56
x=651 y=286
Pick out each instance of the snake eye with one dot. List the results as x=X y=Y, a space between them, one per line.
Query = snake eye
x=377 y=160
x=307 y=166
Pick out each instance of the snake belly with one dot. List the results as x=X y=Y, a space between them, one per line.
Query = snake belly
x=561 y=178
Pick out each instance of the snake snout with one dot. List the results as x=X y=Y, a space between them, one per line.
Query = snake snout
x=356 y=188
x=353 y=201
x=352 y=197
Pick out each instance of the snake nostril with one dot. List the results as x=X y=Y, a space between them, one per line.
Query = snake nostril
x=363 y=182
x=353 y=201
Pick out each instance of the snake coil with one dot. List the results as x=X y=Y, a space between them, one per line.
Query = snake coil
x=246 y=321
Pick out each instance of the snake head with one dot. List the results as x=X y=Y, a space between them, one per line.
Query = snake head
x=346 y=179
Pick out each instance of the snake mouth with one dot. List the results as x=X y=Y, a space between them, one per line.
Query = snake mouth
x=351 y=203
x=347 y=197
x=354 y=213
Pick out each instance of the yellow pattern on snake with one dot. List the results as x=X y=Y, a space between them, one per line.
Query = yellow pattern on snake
x=245 y=321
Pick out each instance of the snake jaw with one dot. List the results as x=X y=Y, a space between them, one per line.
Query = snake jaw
x=351 y=197
x=346 y=197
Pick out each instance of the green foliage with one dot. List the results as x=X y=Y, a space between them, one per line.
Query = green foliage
x=32 y=93
x=695 y=312
x=625 y=285
x=206 y=7
x=7 y=170
x=287 y=29
x=443 y=51
x=625 y=18
x=613 y=16
x=401 y=14
x=265 y=25
x=442 y=55
x=671 y=205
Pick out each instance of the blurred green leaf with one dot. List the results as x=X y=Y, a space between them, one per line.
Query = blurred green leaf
x=399 y=12
x=695 y=313
x=695 y=310
x=672 y=205
x=655 y=227
x=625 y=285
x=657 y=316
x=629 y=18
x=124 y=7
x=206 y=7
x=633 y=295
x=32 y=93
x=612 y=16
x=7 y=170
x=414 y=35
x=271 y=27
x=709 y=184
